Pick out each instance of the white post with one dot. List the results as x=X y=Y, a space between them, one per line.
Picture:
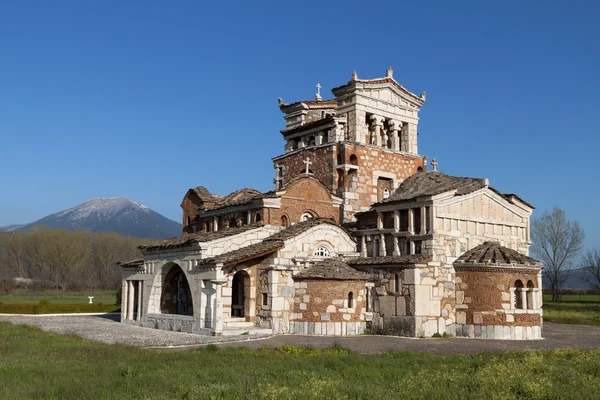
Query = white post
x=523 y=294
x=396 y=247
x=379 y=220
x=363 y=246
x=382 y=245
x=411 y=221
x=130 y=298
x=248 y=217
x=396 y=221
x=423 y=221
x=218 y=307
x=139 y=308
x=124 y=298
x=215 y=224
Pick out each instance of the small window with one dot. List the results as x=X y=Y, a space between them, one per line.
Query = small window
x=257 y=218
x=418 y=246
x=397 y=283
x=386 y=193
x=322 y=251
x=305 y=216
x=353 y=160
x=265 y=299
x=285 y=221
x=350 y=300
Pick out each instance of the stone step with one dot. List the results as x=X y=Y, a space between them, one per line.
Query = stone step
x=238 y=323
x=250 y=331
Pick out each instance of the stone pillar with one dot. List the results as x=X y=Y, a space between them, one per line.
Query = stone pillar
x=411 y=132
x=523 y=294
x=130 y=300
x=423 y=221
x=377 y=123
x=124 y=299
x=218 y=309
x=215 y=224
x=319 y=138
x=363 y=246
x=411 y=247
x=411 y=221
x=139 y=307
x=248 y=217
x=379 y=220
x=382 y=250
x=404 y=137
x=396 y=221
x=396 y=247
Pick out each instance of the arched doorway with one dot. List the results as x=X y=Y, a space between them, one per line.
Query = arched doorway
x=176 y=296
x=240 y=289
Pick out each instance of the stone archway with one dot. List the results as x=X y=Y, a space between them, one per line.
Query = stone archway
x=176 y=295
x=240 y=293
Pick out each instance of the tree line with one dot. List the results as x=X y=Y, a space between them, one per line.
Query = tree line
x=558 y=243
x=66 y=259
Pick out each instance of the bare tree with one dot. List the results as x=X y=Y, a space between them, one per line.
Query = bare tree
x=556 y=242
x=591 y=265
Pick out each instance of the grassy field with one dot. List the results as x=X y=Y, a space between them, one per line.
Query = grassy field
x=56 y=302
x=34 y=364
x=575 y=298
x=572 y=313
x=22 y=296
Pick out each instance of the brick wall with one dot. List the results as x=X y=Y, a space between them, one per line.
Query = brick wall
x=327 y=301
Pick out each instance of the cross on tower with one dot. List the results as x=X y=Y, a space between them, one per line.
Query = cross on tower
x=434 y=164
x=308 y=164
x=318 y=95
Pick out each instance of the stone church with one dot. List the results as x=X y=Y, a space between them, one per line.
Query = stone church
x=357 y=235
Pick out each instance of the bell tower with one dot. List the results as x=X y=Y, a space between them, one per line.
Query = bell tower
x=361 y=144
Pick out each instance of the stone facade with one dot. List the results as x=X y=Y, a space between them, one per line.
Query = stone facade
x=356 y=235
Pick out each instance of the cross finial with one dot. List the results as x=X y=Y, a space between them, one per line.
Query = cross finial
x=434 y=164
x=308 y=164
x=318 y=95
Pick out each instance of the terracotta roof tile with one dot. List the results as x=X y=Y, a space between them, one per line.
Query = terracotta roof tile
x=187 y=240
x=246 y=253
x=135 y=263
x=493 y=254
x=332 y=269
x=389 y=260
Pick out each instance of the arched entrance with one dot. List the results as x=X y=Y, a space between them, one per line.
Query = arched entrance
x=176 y=296
x=240 y=290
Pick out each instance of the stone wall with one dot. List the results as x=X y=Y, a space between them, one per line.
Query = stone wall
x=486 y=306
x=306 y=194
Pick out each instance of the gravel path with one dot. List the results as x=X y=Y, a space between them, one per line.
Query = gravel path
x=107 y=329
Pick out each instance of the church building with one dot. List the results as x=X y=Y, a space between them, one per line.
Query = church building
x=357 y=235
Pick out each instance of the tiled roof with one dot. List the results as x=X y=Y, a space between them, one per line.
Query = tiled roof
x=379 y=81
x=389 y=260
x=135 y=263
x=334 y=269
x=246 y=253
x=300 y=227
x=186 y=240
x=493 y=254
x=242 y=196
x=310 y=125
x=204 y=194
x=303 y=176
x=332 y=103
x=432 y=183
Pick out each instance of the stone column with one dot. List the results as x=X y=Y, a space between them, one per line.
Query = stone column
x=124 y=299
x=215 y=224
x=248 y=217
x=319 y=138
x=404 y=137
x=382 y=250
x=396 y=221
x=218 y=308
x=377 y=123
x=130 y=300
x=396 y=247
x=523 y=294
x=411 y=132
x=411 y=247
x=379 y=220
x=423 y=221
x=363 y=246
x=411 y=221
x=139 y=307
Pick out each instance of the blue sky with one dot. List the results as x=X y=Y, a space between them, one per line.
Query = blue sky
x=146 y=99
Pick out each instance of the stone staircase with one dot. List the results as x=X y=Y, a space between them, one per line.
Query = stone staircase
x=239 y=326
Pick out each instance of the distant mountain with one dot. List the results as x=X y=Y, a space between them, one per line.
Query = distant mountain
x=116 y=214
x=10 y=228
x=576 y=279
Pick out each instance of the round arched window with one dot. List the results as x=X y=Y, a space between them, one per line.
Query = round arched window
x=322 y=251
x=305 y=216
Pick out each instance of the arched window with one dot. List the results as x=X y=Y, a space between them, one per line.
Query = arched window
x=311 y=141
x=285 y=222
x=350 y=300
x=322 y=251
x=518 y=298
x=257 y=218
x=353 y=160
x=530 y=284
x=306 y=216
x=420 y=169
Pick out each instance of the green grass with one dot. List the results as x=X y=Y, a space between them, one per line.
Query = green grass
x=572 y=313
x=577 y=298
x=34 y=364
x=57 y=296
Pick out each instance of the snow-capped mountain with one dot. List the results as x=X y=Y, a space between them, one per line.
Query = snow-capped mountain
x=116 y=214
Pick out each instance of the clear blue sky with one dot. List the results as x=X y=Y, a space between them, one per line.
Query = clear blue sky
x=146 y=99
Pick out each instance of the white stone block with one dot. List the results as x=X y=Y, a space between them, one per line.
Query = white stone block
x=338 y=328
x=277 y=303
x=412 y=277
x=346 y=317
x=510 y=318
x=317 y=328
x=331 y=309
x=498 y=332
x=330 y=328
x=461 y=317
x=471 y=331
x=518 y=332
x=303 y=306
